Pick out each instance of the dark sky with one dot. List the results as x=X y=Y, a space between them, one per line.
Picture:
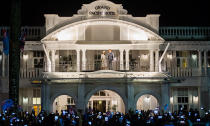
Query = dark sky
x=173 y=12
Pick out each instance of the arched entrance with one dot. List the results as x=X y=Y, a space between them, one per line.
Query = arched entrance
x=63 y=102
x=106 y=100
x=147 y=102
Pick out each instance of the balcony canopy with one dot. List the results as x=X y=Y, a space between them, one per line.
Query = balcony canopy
x=102 y=30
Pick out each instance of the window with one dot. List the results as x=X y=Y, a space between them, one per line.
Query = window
x=36 y=96
x=38 y=59
x=182 y=99
x=70 y=101
x=100 y=93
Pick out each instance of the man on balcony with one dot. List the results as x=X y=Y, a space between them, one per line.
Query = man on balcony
x=110 y=59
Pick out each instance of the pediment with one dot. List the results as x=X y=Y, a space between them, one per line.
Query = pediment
x=102 y=9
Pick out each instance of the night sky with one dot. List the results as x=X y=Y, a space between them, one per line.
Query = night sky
x=173 y=12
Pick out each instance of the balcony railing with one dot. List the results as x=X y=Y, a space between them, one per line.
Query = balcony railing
x=33 y=73
x=185 y=33
x=32 y=33
x=184 y=72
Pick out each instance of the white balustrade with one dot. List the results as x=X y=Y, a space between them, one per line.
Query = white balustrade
x=31 y=73
x=31 y=32
x=185 y=32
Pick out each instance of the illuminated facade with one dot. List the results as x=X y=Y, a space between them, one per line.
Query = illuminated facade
x=152 y=66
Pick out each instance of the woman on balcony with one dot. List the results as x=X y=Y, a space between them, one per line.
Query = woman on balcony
x=103 y=61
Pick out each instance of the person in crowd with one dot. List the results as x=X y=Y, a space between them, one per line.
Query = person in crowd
x=103 y=61
x=110 y=57
x=91 y=118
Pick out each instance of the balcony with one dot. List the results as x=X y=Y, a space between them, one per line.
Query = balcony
x=185 y=33
x=103 y=75
x=31 y=73
x=32 y=33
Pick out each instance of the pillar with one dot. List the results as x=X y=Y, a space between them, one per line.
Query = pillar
x=151 y=60
x=81 y=97
x=78 y=60
x=174 y=64
x=199 y=62
x=157 y=61
x=130 y=100
x=45 y=101
x=121 y=60
x=53 y=60
x=165 y=97
x=127 y=59
x=84 y=60
x=48 y=62
x=205 y=62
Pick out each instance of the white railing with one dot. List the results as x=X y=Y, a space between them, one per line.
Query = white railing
x=32 y=32
x=185 y=32
x=31 y=73
x=104 y=74
x=184 y=72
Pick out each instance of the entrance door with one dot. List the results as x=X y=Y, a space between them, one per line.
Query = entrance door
x=99 y=106
x=106 y=100
x=147 y=102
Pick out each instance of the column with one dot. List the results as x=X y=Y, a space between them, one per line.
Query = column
x=151 y=55
x=174 y=64
x=130 y=102
x=43 y=95
x=53 y=60
x=48 y=62
x=3 y=64
x=127 y=59
x=165 y=97
x=46 y=104
x=205 y=62
x=84 y=60
x=200 y=62
x=121 y=60
x=78 y=60
x=81 y=97
x=157 y=61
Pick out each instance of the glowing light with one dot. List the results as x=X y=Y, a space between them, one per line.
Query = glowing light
x=25 y=100
x=195 y=99
x=100 y=102
x=147 y=99
x=171 y=100
x=25 y=57
x=71 y=33
x=194 y=56
x=169 y=56
x=66 y=34
x=137 y=35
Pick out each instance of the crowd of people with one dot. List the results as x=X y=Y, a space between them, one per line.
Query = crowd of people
x=76 y=118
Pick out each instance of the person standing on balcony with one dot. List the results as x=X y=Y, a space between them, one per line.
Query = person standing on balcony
x=110 y=59
x=103 y=61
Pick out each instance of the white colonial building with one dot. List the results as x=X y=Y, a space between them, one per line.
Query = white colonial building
x=153 y=66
